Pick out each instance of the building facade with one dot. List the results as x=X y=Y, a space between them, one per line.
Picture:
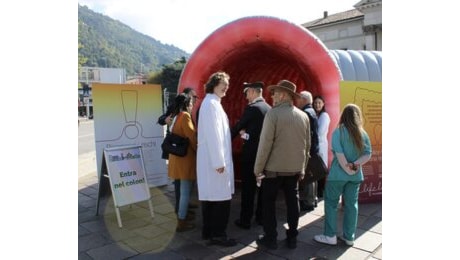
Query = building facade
x=138 y=79
x=89 y=75
x=357 y=29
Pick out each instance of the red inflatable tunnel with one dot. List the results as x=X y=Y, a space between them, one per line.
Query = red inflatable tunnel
x=264 y=49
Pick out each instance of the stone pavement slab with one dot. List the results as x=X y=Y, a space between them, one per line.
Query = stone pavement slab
x=145 y=238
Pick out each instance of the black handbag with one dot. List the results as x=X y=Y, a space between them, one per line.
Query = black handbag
x=316 y=169
x=175 y=144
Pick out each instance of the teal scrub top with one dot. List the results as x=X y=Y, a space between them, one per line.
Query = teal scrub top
x=345 y=145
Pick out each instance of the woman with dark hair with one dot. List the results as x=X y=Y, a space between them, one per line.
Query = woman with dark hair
x=323 y=128
x=183 y=169
x=351 y=148
x=214 y=162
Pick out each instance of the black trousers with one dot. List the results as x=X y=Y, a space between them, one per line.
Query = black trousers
x=321 y=185
x=215 y=218
x=248 y=193
x=270 y=187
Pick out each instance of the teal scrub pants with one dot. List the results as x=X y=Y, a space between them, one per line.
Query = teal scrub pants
x=349 y=191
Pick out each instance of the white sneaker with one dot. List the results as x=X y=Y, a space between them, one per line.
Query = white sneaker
x=325 y=239
x=348 y=242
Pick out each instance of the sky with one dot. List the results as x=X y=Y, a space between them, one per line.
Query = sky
x=185 y=23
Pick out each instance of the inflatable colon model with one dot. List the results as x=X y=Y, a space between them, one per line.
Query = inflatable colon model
x=264 y=49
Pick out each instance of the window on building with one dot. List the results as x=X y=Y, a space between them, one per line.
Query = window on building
x=83 y=75
x=94 y=75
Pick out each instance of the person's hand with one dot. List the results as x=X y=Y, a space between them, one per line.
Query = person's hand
x=168 y=120
x=220 y=170
x=300 y=177
x=259 y=178
x=352 y=168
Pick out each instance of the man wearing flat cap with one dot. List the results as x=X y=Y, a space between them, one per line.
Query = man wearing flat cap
x=281 y=159
x=248 y=128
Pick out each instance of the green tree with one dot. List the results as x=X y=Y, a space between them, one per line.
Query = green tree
x=81 y=58
x=169 y=77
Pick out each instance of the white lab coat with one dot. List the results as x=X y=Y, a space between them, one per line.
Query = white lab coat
x=323 y=128
x=214 y=151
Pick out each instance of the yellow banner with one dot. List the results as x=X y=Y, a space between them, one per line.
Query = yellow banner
x=368 y=96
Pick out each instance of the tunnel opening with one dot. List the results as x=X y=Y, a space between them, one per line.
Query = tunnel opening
x=264 y=49
x=260 y=62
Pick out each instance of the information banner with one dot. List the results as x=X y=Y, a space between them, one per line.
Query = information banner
x=127 y=114
x=126 y=173
x=368 y=96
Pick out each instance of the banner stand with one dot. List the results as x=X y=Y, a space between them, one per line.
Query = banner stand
x=124 y=168
x=104 y=184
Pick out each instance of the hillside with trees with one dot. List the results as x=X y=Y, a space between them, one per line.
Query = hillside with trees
x=105 y=42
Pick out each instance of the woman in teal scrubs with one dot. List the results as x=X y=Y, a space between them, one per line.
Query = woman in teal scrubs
x=351 y=148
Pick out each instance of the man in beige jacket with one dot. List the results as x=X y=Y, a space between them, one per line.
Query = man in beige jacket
x=281 y=159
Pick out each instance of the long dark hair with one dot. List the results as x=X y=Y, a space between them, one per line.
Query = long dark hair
x=187 y=90
x=181 y=102
x=352 y=120
x=324 y=102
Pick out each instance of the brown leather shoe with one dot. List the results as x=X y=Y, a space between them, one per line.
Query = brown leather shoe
x=184 y=225
x=193 y=205
x=190 y=217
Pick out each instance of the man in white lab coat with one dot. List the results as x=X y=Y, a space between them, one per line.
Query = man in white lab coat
x=215 y=175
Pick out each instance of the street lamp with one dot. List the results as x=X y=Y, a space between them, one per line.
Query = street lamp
x=86 y=98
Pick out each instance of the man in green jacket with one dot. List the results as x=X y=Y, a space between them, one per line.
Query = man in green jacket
x=281 y=159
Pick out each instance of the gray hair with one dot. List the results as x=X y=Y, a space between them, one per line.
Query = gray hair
x=307 y=96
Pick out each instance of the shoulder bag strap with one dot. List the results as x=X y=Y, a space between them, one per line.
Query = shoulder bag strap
x=174 y=121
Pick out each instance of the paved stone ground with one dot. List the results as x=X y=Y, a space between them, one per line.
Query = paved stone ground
x=144 y=237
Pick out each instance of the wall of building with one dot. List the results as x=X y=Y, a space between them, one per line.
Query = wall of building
x=89 y=75
x=373 y=20
x=344 y=36
x=373 y=15
x=111 y=75
x=102 y=75
x=361 y=32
